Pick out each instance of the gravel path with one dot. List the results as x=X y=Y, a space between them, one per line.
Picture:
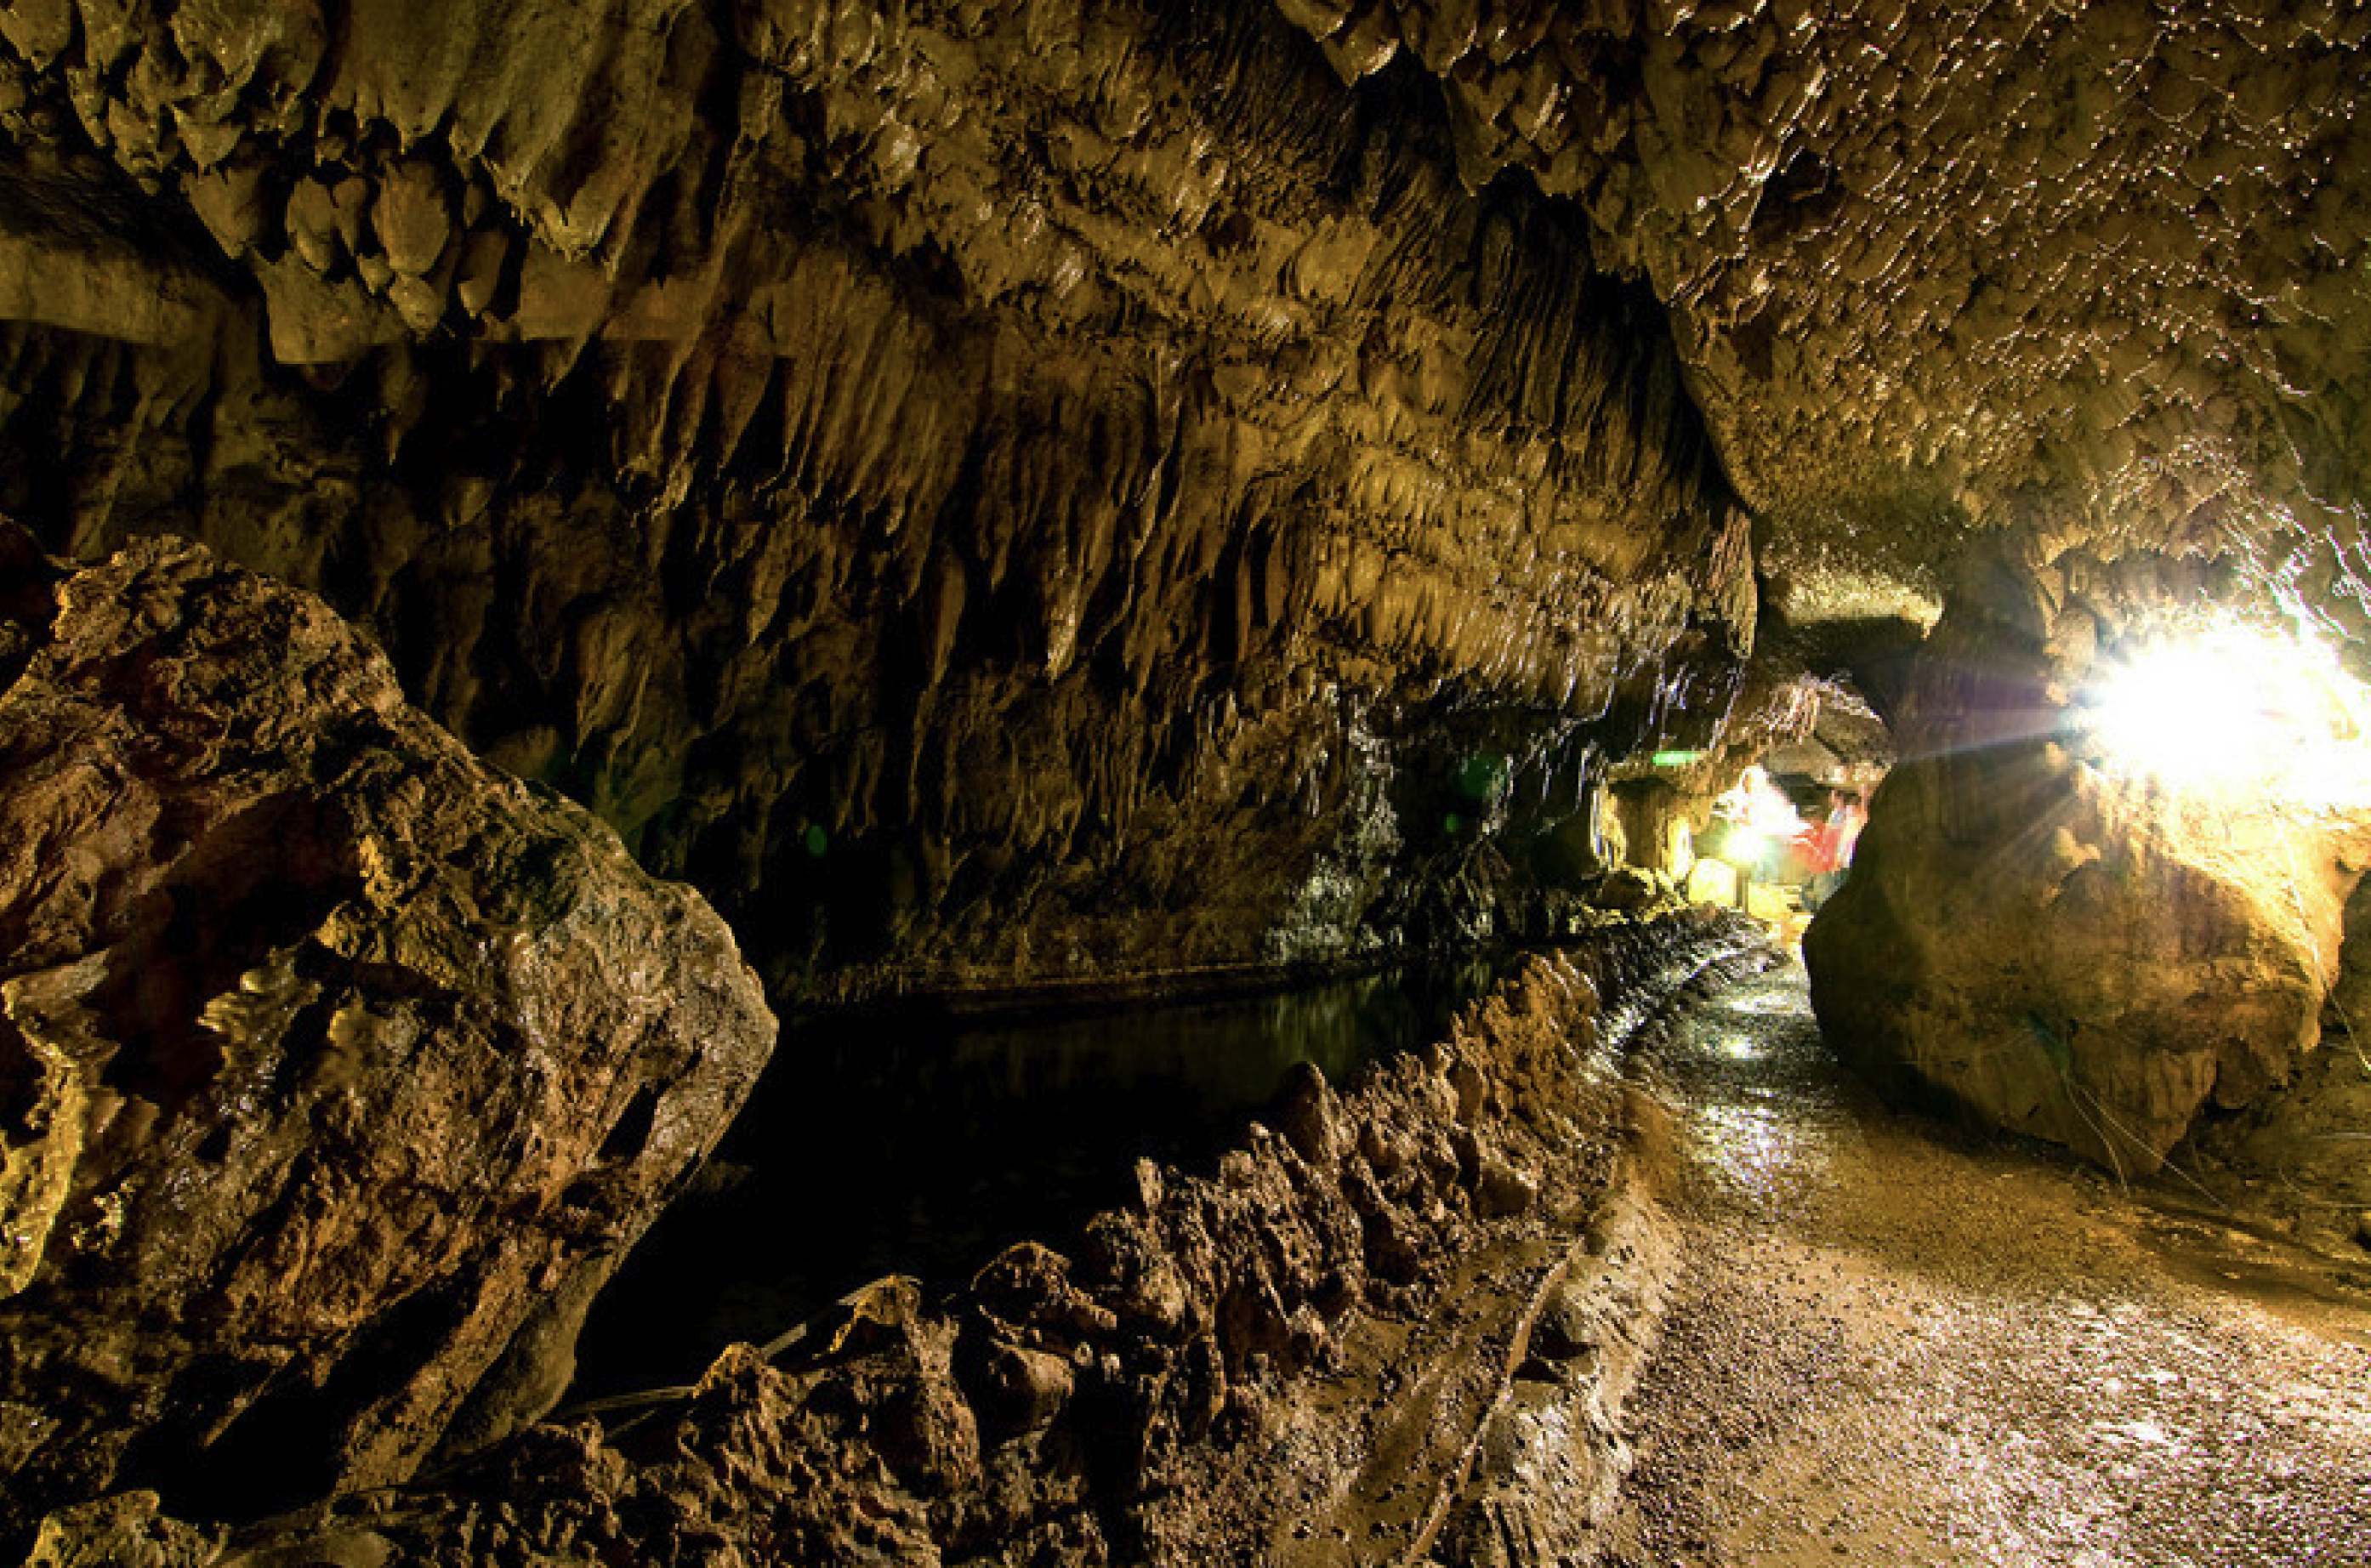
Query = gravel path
x=1893 y=1343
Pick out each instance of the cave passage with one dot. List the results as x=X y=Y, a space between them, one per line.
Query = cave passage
x=1891 y=1341
x=552 y=556
x=917 y=1142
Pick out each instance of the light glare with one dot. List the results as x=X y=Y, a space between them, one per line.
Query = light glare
x=2237 y=712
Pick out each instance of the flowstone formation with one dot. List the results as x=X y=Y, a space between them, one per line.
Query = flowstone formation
x=989 y=493
x=2105 y=958
x=1944 y=268
x=339 y=1069
x=996 y=492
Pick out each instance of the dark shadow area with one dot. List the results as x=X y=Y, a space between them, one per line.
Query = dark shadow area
x=918 y=1144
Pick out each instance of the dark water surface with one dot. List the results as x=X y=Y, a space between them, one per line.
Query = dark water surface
x=924 y=1144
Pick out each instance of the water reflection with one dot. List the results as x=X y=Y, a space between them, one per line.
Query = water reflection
x=1753 y=1148
x=922 y=1145
x=1735 y=1043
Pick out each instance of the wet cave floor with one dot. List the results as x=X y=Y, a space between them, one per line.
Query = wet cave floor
x=1888 y=1341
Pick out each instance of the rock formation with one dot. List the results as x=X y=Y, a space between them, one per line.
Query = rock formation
x=2070 y=950
x=339 y=1069
x=986 y=493
x=1933 y=269
x=1019 y=492
x=1303 y=1349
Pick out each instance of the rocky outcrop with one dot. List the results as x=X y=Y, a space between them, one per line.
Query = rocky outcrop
x=2063 y=946
x=1297 y=1355
x=2301 y=1155
x=338 y=1068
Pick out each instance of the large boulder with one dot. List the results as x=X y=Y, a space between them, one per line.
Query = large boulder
x=2068 y=951
x=337 y=1068
x=2301 y=1152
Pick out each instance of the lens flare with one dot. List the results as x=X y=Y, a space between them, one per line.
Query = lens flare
x=2236 y=712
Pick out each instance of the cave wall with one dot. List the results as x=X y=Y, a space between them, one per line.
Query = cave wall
x=1009 y=493
x=2075 y=271
x=988 y=492
x=992 y=490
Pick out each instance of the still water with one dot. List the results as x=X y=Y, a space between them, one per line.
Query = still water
x=923 y=1145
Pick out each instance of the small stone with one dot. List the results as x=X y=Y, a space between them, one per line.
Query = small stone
x=1566 y=1327
x=1024 y=1390
x=1501 y=1190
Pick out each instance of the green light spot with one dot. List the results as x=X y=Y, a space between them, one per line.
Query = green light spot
x=1454 y=822
x=1483 y=775
x=1675 y=758
x=816 y=840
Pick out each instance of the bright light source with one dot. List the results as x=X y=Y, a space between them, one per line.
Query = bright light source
x=2240 y=712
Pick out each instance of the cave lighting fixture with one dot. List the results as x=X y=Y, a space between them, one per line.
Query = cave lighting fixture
x=2238 y=714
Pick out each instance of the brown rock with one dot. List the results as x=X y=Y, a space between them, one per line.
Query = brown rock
x=1022 y=1389
x=1308 y=1116
x=1028 y=1286
x=1500 y=1190
x=2048 y=942
x=122 y=1531
x=1568 y=1325
x=412 y=218
x=952 y=1434
x=1397 y=1247
x=342 y=1069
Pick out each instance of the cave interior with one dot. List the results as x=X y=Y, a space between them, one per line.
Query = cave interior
x=552 y=553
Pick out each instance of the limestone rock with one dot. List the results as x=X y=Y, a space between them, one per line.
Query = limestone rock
x=981 y=503
x=122 y=1531
x=2049 y=944
x=1006 y=495
x=1044 y=1413
x=340 y=1067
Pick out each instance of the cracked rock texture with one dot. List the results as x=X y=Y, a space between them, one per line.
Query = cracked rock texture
x=2069 y=953
x=338 y=1068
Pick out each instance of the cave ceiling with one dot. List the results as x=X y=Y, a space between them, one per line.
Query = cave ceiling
x=1016 y=436
x=2071 y=271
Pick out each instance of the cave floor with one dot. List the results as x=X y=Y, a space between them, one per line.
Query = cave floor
x=1893 y=1342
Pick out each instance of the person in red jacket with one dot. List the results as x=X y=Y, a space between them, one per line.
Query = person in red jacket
x=1831 y=846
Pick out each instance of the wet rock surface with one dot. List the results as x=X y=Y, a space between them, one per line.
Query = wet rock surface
x=339 y=1069
x=2063 y=946
x=1892 y=1342
x=1300 y=1354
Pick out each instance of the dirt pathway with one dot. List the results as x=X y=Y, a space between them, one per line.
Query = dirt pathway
x=1895 y=1344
